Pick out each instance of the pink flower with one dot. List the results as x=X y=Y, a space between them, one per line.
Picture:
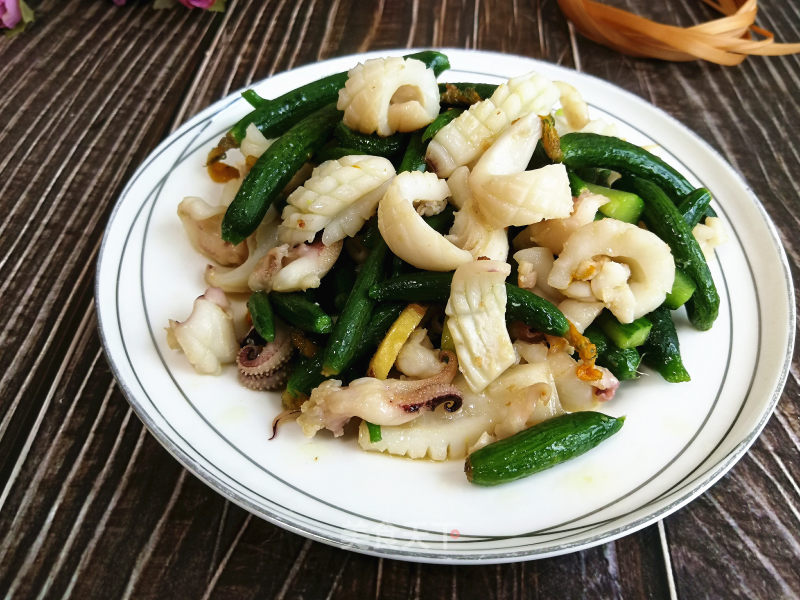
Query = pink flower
x=10 y=14
x=204 y=4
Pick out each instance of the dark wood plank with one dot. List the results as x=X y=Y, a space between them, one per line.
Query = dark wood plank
x=91 y=505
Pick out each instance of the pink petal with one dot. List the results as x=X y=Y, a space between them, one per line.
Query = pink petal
x=10 y=14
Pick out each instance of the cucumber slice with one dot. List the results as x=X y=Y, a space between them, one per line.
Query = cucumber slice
x=625 y=335
x=622 y=206
x=682 y=290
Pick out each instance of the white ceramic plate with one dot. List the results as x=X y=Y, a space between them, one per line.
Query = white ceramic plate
x=678 y=438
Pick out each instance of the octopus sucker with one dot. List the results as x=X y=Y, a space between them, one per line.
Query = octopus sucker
x=262 y=383
x=263 y=365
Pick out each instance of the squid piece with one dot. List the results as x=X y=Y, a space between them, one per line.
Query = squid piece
x=508 y=195
x=580 y=314
x=258 y=245
x=574 y=393
x=533 y=268
x=386 y=95
x=633 y=268
x=477 y=321
x=202 y=222
x=404 y=230
x=552 y=233
x=418 y=358
x=207 y=336
x=295 y=269
x=339 y=197
x=574 y=114
x=573 y=106
x=379 y=401
x=465 y=138
x=710 y=235
x=254 y=143
x=526 y=394
x=470 y=231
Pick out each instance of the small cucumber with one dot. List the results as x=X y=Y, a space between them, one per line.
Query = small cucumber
x=414 y=155
x=260 y=310
x=296 y=309
x=540 y=447
x=695 y=206
x=374 y=145
x=624 y=335
x=662 y=350
x=664 y=219
x=622 y=206
x=348 y=333
x=273 y=170
x=581 y=150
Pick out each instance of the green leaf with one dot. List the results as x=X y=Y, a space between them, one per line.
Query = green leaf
x=218 y=6
x=26 y=11
x=163 y=4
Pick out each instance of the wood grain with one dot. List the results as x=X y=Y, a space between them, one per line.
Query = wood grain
x=92 y=506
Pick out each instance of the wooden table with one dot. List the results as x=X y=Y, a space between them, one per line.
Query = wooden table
x=92 y=505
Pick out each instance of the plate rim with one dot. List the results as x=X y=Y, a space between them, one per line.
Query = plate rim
x=441 y=557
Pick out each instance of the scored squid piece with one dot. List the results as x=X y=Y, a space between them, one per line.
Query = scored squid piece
x=508 y=195
x=463 y=140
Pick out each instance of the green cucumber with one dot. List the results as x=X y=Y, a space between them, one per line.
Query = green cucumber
x=521 y=305
x=662 y=350
x=273 y=170
x=304 y=377
x=581 y=150
x=296 y=309
x=622 y=206
x=694 y=206
x=682 y=290
x=536 y=312
x=374 y=145
x=622 y=362
x=624 y=335
x=414 y=155
x=665 y=220
x=260 y=310
x=540 y=447
x=348 y=332
x=307 y=373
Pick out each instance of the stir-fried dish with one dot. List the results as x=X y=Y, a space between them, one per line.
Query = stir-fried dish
x=454 y=270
